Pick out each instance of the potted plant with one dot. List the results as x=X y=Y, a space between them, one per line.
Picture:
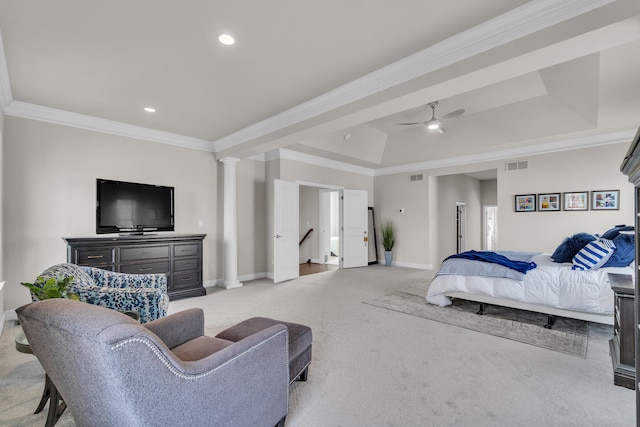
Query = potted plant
x=388 y=240
x=53 y=287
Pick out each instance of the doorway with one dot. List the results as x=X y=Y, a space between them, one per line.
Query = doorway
x=297 y=211
x=490 y=228
x=329 y=243
x=461 y=226
x=319 y=247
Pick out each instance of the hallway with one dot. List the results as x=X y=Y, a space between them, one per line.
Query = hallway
x=310 y=268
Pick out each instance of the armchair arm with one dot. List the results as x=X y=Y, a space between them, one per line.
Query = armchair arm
x=150 y=304
x=178 y=328
x=145 y=294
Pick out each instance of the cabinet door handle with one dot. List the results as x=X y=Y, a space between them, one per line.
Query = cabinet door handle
x=185 y=279
x=144 y=269
x=95 y=256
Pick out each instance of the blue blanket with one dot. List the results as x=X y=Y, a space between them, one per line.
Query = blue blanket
x=492 y=257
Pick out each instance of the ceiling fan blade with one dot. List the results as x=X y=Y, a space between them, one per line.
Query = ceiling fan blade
x=411 y=123
x=453 y=114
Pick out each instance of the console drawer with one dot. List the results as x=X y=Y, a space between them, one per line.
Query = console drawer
x=148 y=252
x=185 y=264
x=95 y=256
x=184 y=280
x=185 y=250
x=146 y=268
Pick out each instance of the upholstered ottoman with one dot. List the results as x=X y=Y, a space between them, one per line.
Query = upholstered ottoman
x=299 y=342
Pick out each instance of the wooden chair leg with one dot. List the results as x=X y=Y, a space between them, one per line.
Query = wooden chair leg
x=304 y=374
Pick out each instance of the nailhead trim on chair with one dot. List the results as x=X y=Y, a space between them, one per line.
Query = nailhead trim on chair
x=179 y=374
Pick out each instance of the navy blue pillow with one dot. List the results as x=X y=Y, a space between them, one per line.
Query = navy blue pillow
x=624 y=253
x=571 y=246
x=612 y=233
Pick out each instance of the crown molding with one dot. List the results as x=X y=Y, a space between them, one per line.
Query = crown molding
x=327 y=163
x=283 y=153
x=550 y=147
x=522 y=21
x=67 y=118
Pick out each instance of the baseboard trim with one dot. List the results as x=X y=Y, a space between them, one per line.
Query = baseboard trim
x=408 y=265
x=242 y=278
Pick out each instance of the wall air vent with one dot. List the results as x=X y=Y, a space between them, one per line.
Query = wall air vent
x=418 y=177
x=520 y=164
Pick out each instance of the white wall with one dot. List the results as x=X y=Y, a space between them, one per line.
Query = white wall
x=426 y=232
x=396 y=192
x=295 y=171
x=426 y=228
x=50 y=173
x=489 y=192
x=589 y=169
x=251 y=187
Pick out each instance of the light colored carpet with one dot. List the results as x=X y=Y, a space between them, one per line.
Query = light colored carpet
x=376 y=367
x=568 y=336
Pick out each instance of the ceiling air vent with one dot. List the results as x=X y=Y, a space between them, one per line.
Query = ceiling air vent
x=514 y=166
x=418 y=177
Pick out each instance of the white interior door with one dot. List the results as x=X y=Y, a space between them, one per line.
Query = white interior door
x=354 y=241
x=285 y=231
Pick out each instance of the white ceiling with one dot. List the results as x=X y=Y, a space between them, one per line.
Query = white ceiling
x=531 y=76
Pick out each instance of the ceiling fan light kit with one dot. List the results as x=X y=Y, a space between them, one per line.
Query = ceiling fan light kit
x=433 y=124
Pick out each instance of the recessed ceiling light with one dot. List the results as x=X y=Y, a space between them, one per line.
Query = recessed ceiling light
x=149 y=109
x=226 y=39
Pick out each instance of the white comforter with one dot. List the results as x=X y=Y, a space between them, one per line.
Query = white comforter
x=551 y=284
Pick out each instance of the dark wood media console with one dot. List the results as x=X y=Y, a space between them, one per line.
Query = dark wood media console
x=179 y=256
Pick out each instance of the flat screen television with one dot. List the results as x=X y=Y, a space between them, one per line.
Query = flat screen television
x=132 y=208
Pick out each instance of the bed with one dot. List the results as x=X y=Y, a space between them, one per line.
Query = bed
x=547 y=287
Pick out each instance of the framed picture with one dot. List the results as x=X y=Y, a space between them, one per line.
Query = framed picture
x=605 y=200
x=577 y=201
x=549 y=202
x=526 y=203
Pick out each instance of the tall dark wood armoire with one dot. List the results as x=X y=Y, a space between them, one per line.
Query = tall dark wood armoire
x=631 y=167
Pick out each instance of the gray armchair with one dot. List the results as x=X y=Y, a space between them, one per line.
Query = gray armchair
x=111 y=370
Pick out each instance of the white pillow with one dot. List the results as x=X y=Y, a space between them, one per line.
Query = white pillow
x=593 y=255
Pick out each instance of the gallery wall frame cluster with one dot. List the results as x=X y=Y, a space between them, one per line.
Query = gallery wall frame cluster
x=600 y=200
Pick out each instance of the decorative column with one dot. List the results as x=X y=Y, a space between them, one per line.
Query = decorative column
x=230 y=221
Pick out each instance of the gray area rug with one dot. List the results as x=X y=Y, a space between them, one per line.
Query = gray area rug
x=569 y=336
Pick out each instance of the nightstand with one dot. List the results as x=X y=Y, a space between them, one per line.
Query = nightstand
x=622 y=345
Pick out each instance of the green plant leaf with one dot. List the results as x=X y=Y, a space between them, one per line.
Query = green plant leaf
x=53 y=287
x=388 y=235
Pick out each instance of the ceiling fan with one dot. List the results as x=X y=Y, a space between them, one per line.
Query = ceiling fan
x=435 y=124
